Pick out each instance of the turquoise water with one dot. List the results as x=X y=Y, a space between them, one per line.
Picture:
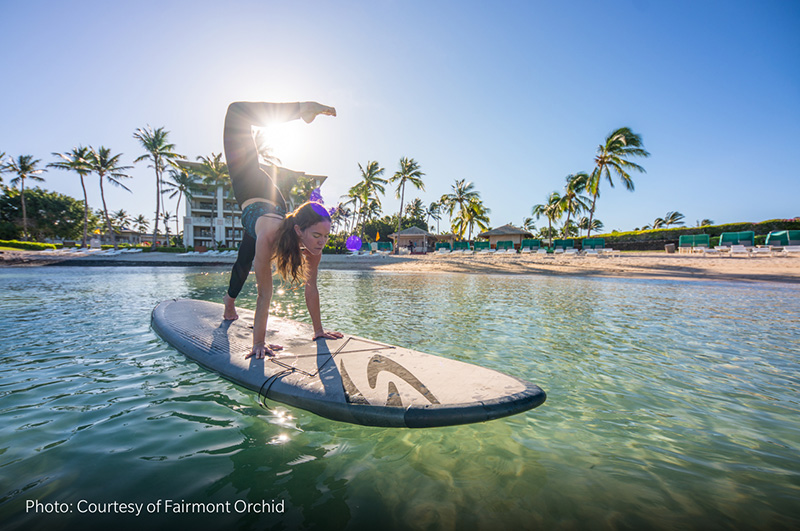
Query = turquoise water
x=671 y=405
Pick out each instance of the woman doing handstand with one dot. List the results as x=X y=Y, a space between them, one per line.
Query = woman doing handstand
x=295 y=240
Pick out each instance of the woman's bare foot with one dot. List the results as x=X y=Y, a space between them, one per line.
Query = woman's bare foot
x=230 y=308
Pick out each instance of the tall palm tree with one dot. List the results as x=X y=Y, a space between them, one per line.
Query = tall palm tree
x=410 y=173
x=434 y=211
x=25 y=168
x=167 y=216
x=160 y=153
x=141 y=223
x=619 y=146
x=120 y=219
x=552 y=210
x=3 y=165
x=474 y=213
x=415 y=209
x=596 y=225
x=77 y=160
x=180 y=182
x=460 y=198
x=673 y=218
x=371 y=180
x=108 y=167
x=528 y=224
x=573 y=202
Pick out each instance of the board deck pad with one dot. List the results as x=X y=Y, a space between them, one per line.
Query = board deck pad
x=351 y=379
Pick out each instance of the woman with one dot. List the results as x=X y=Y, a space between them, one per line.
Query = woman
x=295 y=241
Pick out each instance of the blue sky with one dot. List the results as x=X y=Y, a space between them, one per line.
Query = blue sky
x=512 y=96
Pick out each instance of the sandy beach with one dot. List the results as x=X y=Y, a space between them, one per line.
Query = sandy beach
x=651 y=265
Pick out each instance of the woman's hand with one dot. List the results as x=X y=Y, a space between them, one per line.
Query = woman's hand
x=327 y=335
x=261 y=351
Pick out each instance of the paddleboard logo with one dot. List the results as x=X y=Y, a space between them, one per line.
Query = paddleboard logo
x=375 y=366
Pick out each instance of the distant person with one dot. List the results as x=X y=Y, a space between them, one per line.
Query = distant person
x=295 y=240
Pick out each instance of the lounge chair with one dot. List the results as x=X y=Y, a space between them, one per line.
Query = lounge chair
x=505 y=247
x=791 y=249
x=685 y=243
x=739 y=250
x=384 y=248
x=761 y=251
x=462 y=247
x=529 y=246
x=442 y=248
x=483 y=248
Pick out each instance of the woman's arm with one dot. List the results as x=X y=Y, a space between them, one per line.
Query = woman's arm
x=312 y=297
x=266 y=228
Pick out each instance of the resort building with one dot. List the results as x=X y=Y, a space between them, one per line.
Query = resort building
x=413 y=237
x=213 y=218
x=506 y=233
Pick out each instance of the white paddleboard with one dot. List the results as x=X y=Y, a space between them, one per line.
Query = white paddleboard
x=351 y=379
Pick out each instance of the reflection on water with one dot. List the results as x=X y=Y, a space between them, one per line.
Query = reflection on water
x=670 y=405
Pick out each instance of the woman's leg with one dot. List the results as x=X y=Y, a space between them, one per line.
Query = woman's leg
x=244 y=262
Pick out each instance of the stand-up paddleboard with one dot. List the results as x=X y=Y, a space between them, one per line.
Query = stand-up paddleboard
x=350 y=379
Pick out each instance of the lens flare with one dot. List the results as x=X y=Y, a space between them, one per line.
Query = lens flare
x=320 y=210
x=353 y=243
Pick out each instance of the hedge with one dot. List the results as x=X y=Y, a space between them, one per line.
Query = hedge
x=27 y=246
x=648 y=240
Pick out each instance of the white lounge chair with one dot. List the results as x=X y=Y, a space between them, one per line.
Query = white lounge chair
x=739 y=250
x=761 y=251
x=791 y=249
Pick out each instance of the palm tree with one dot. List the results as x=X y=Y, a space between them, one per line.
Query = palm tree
x=141 y=223
x=596 y=225
x=552 y=210
x=528 y=225
x=573 y=202
x=77 y=160
x=371 y=180
x=705 y=222
x=474 y=213
x=619 y=146
x=415 y=209
x=120 y=219
x=108 y=167
x=180 y=182
x=3 y=166
x=657 y=224
x=460 y=198
x=434 y=211
x=25 y=168
x=167 y=217
x=409 y=172
x=673 y=218
x=160 y=153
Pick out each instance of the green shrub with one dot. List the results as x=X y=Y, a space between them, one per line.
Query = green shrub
x=27 y=246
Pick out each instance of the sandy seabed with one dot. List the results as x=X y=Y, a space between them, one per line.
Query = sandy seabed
x=652 y=265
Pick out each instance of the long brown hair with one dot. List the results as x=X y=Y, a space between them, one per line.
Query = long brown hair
x=288 y=258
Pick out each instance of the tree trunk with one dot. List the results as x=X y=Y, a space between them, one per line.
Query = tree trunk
x=108 y=220
x=85 y=213
x=158 y=205
x=591 y=216
x=24 y=211
x=400 y=215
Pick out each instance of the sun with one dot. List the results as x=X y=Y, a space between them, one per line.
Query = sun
x=282 y=143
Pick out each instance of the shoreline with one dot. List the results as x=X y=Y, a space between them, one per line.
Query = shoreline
x=642 y=265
